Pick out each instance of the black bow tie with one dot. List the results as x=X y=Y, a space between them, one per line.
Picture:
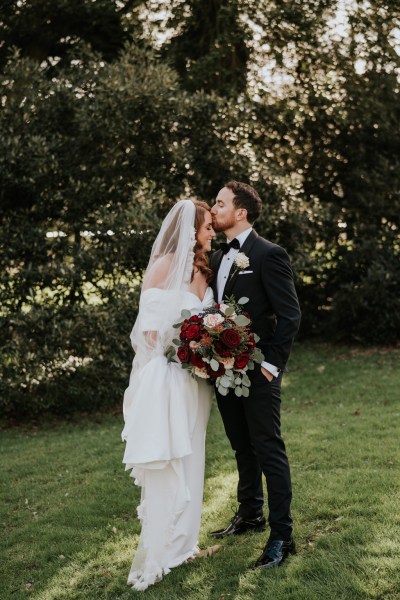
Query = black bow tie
x=225 y=247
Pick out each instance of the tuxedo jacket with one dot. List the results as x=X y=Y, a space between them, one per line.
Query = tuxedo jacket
x=273 y=304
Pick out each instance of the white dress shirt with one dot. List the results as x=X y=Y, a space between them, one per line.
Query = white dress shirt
x=222 y=278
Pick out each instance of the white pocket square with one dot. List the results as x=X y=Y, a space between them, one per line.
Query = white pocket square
x=244 y=272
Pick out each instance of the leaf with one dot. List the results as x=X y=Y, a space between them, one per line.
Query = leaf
x=238 y=391
x=242 y=321
x=246 y=381
x=250 y=365
x=258 y=356
x=214 y=364
x=225 y=381
x=176 y=342
x=238 y=381
x=177 y=325
x=256 y=338
x=245 y=392
x=186 y=314
x=243 y=300
x=229 y=311
x=223 y=390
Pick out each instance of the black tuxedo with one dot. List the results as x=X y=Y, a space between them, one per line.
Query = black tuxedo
x=253 y=424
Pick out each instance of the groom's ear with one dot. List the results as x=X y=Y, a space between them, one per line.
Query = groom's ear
x=242 y=214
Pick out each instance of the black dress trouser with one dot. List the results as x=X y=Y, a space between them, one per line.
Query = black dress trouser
x=253 y=428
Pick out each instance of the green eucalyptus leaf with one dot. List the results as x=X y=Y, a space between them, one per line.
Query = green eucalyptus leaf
x=225 y=381
x=214 y=364
x=242 y=321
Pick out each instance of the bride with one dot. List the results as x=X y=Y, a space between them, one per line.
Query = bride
x=165 y=409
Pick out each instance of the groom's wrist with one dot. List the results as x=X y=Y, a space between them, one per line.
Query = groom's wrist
x=270 y=368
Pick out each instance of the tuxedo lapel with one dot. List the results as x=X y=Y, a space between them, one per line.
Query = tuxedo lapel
x=230 y=281
x=234 y=271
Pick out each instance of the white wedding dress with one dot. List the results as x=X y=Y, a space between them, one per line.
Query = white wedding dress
x=166 y=413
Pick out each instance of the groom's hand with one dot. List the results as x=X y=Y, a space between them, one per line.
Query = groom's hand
x=267 y=374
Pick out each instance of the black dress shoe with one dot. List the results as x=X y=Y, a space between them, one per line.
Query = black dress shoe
x=274 y=554
x=240 y=525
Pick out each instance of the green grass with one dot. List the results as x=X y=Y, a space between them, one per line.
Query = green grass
x=69 y=521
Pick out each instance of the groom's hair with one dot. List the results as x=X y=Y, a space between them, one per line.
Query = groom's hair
x=245 y=197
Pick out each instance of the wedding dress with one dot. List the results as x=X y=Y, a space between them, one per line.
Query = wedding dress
x=166 y=412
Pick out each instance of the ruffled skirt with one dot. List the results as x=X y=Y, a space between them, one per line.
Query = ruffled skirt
x=165 y=448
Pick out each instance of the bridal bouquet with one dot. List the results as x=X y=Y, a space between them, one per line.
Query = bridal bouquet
x=217 y=344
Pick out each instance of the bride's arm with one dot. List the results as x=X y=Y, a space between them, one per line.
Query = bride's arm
x=156 y=278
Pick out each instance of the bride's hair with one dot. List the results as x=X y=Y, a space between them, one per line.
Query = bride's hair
x=200 y=257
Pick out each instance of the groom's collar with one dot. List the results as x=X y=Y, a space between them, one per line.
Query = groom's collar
x=242 y=237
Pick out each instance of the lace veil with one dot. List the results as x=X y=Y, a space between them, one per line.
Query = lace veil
x=166 y=279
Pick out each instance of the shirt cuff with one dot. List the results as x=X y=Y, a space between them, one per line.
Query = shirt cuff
x=271 y=368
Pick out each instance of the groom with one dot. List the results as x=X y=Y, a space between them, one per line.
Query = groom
x=253 y=424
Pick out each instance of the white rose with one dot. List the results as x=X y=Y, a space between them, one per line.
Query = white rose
x=213 y=320
x=241 y=260
x=228 y=362
x=201 y=373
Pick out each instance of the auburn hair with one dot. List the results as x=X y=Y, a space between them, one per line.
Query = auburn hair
x=200 y=257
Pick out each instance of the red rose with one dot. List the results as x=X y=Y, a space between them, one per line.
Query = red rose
x=197 y=360
x=231 y=338
x=251 y=343
x=221 y=349
x=195 y=319
x=193 y=332
x=218 y=373
x=183 y=354
x=241 y=361
x=184 y=327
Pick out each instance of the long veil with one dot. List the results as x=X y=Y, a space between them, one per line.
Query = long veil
x=167 y=276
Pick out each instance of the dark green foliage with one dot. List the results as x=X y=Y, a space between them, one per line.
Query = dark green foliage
x=94 y=170
x=210 y=51
x=44 y=29
x=68 y=358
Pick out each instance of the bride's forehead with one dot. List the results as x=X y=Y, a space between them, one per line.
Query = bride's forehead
x=207 y=218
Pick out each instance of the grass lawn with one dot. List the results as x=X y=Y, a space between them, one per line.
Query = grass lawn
x=69 y=526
